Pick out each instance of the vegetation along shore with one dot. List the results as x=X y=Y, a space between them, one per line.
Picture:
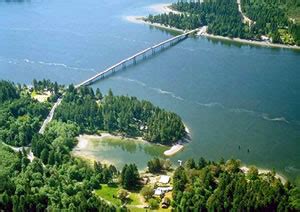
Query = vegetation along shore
x=182 y=16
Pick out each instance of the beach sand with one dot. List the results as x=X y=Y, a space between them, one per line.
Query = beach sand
x=178 y=146
x=173 y=150
x=140 y=20
x=162 y=8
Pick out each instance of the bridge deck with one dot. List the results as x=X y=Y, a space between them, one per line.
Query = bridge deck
x=178 y=37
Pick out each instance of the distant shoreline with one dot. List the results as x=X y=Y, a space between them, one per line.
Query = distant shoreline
x=165 y=8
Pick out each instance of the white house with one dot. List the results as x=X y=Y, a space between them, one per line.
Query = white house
x=164 y=179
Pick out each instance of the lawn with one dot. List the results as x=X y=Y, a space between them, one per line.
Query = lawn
x=107 y=193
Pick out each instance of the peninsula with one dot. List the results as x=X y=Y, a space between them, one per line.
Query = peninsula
x=237 y=26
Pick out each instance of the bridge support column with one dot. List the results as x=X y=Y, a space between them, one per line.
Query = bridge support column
x=123 y=65
x=144 y=55
x=153 y=51
x=134 y=60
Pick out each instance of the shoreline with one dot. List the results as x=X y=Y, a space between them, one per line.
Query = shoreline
x=178 y=146
x=251 y=42
x=281 y=177
x=83 y=142
x=140 y=20
x=165 y=8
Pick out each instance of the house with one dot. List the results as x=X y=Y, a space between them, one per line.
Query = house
x=164 y=179
x=265 y=38
x=160 y=191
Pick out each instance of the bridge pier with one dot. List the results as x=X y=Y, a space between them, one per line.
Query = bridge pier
x=123 y=65
x=134 y=60
x=153 y=51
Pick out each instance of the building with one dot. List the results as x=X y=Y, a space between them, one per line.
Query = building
x=164 y=179
x=165 y=202
x=160 y=191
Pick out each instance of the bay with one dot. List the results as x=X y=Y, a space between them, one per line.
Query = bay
x=229 y=95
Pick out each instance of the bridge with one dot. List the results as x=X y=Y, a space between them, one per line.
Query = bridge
x=134 y=57
x=113 y=68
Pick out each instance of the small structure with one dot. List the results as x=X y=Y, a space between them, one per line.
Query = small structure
x=164 y=179
x=165 y=202
x=144 y=180
x=160 y=191
x=265 y=38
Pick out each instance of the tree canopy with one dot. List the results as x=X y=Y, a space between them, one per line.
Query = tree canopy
x=215 y=186
x=122 y=114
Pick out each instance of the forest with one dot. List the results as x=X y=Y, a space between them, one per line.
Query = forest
x=222 y=186
x=20 y=115
x=269 y=18
x=272 y=18
x=119 y=114
x=53 y=180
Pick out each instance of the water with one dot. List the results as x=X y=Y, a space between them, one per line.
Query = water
x=228 y=95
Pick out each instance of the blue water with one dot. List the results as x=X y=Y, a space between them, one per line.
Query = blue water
x=227 y=94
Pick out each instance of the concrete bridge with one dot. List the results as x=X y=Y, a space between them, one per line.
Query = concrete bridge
x=114 y=67
x=134 y=57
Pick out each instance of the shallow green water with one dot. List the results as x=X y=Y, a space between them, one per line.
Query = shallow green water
x=111 y=150
x=228 y=95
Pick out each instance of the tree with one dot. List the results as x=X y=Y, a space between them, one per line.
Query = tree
x=201 y=163
x=35 y=84
x=51 y=159
x=153 y=203
x=99 y=95
x=147 y=192
x=155 y=165
x=130 y=176
x=44 y=156
x=252 y=173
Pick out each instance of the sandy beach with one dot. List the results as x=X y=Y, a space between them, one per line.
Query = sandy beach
x=83 y=140
x=165 y=8
x=245 y=169
x=178 y=146
x=162 y=8
x=173 y=150
x=140 y=20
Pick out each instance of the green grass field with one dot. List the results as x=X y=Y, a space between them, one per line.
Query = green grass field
x=107 y=193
